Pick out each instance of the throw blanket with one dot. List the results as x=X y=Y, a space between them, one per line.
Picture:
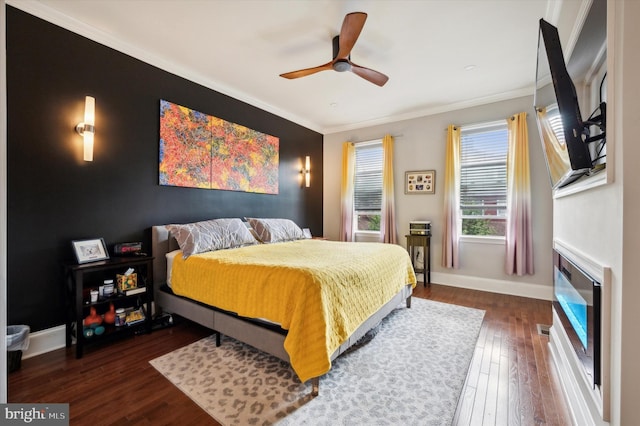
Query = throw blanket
x=320 y=291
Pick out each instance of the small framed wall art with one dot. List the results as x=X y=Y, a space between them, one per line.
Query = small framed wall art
x=90 y=250
x=420 y=182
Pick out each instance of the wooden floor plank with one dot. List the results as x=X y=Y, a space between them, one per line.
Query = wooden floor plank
x=511 y=363
x=502 y=399
x=477 y=414
x=465 y=407
x=491 y=401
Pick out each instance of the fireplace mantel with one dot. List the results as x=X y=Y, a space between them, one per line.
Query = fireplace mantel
x=586 y=263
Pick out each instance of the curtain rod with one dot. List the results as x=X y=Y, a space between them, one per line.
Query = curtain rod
x=487 y=124
x=375 y=140
x=476 y=126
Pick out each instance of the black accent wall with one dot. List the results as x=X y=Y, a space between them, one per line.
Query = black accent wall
x=55 y=197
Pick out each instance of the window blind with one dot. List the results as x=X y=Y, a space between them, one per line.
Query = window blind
x=555 y=121
x=368 y=178
x=483 y=172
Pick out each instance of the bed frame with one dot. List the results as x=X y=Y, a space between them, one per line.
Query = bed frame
x=262 y=336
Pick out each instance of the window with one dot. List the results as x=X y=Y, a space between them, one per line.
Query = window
x=367 y=203
x=483 y=179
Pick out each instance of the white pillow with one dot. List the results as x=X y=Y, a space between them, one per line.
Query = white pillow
x=170 y=257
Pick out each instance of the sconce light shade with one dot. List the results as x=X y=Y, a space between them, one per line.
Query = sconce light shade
x=86 y=128
x=307 y=172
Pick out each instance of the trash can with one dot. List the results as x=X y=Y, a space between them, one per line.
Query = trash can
x=17 y=341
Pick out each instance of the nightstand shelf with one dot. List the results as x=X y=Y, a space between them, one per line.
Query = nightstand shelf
x=80 y=278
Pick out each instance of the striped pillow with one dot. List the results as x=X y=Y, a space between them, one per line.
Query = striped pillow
x=276 y=230
x=208 y=235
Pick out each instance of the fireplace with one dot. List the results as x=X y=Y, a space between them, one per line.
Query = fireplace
x=577 y=302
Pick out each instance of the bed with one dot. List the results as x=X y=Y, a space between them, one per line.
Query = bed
x=304 y=301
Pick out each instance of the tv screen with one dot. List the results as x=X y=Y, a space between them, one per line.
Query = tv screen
x=560 y=124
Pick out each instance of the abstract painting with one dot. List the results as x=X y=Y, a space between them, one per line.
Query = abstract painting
x=202 y=151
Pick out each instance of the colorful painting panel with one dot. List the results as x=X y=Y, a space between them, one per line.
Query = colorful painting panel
x=202 y=151
x=185 y=147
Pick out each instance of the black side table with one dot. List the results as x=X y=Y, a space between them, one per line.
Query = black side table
x=424 y=241
x=81 y=278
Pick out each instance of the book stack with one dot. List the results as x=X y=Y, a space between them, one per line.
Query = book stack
x=132 y=291
x=134 y=317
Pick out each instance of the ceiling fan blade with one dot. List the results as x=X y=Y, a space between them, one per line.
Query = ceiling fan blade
x=368 y=74
x=307 y=71
x=351 y=28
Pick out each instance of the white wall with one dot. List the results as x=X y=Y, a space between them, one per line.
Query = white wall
x=420 y=145
x=627 y=344
x=602 y=222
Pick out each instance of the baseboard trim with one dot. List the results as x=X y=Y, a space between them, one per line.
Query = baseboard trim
x=45 y=341
x=512 y=288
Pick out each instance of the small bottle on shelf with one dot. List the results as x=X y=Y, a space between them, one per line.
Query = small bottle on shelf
x=108 y=288
x=121 y=317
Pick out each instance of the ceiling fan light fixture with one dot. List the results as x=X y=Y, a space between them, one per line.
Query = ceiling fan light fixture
x=341 y=65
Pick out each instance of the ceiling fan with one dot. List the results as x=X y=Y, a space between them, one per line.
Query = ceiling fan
x=342 y=45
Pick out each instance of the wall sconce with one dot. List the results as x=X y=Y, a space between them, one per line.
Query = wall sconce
x=307 y=171
x=86 y=129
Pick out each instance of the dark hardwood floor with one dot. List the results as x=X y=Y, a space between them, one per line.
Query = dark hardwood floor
x=511 y=379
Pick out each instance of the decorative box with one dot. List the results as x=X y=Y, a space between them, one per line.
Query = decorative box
x=127 y=282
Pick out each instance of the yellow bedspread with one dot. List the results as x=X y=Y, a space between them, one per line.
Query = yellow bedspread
x=320 y=291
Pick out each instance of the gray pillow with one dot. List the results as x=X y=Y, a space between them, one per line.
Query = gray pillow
x=208 y=235
x=276 y=230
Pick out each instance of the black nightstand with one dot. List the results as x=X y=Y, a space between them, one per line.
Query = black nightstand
x=81 y=278
x=423 y=241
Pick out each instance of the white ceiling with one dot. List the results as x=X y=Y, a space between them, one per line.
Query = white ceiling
x=239 y=47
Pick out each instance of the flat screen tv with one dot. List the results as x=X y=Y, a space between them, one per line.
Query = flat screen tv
x=562 y=130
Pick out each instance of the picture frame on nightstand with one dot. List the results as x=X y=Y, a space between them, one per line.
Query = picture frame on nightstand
x=92 y=250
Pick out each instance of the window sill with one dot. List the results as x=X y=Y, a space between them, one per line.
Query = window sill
x=366 y=236
x=482 y=239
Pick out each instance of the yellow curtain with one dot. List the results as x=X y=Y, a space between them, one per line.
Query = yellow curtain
x=452 y=225
x=346 y=191
x=388 y=229
x=519 y=235
x=555 y=151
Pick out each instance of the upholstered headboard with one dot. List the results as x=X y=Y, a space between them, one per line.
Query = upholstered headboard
x=161 y=244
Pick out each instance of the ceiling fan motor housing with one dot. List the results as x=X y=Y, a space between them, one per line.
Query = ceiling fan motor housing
x=341 y=65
